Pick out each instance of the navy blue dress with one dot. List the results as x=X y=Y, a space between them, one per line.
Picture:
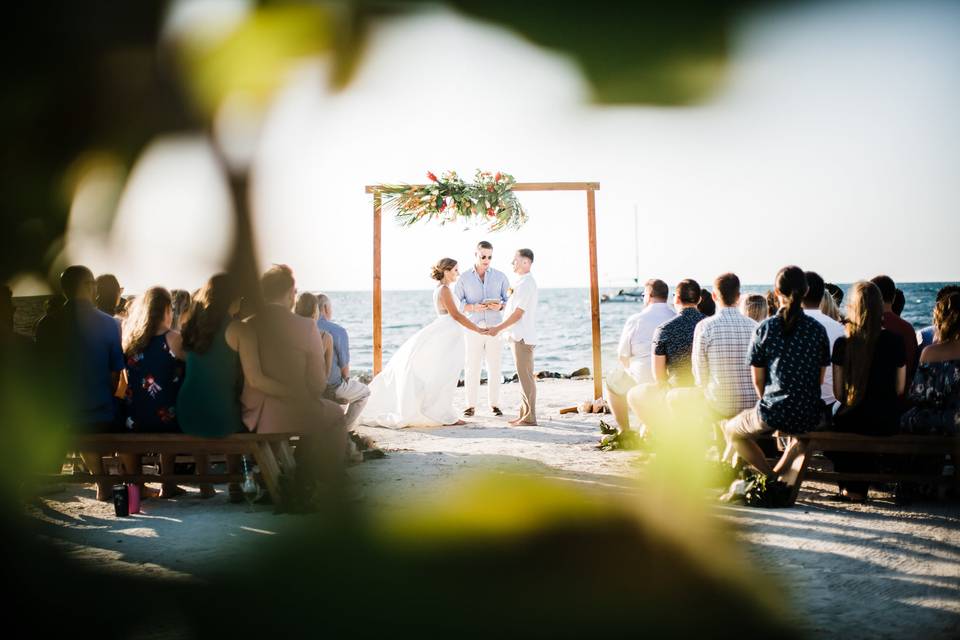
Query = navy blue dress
x=154 y=377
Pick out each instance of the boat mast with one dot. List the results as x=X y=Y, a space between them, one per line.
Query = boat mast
x=636 y=245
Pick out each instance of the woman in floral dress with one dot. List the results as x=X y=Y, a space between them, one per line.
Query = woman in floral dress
x=154 y=372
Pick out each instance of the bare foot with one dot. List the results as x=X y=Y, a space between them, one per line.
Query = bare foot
x=171 y=491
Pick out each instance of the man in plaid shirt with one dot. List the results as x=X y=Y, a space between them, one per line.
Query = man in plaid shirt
x=720 y=345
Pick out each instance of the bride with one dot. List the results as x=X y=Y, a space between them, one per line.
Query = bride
x=416 y=387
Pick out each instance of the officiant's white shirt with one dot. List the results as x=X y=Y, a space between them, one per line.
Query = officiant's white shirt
x=524 y=297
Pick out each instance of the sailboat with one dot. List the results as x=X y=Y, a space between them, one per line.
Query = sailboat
x=635 y=294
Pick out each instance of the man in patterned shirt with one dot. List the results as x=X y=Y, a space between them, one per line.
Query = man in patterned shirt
x=720 y=346
x=672 y=346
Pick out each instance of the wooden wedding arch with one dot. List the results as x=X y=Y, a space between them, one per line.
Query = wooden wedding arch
x=588 y=187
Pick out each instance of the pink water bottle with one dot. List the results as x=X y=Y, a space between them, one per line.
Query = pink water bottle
x=133 y=498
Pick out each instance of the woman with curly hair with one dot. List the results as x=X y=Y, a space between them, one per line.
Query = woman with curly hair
x=935 y=390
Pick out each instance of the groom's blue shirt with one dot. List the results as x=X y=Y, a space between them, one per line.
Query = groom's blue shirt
x=471 y=290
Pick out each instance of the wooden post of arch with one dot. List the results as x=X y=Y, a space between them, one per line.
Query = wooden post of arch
x=589 y=187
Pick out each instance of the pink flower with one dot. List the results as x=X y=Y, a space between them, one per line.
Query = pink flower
x=497 y=177
x=431 y=176
x=490 y=212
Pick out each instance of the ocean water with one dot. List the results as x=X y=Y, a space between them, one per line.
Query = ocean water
x=563 y=322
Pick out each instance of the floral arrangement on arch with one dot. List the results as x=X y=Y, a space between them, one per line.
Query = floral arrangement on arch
x=488 y=200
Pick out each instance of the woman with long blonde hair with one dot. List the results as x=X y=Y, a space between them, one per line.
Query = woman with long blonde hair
x=869 y=378
x=829 y=307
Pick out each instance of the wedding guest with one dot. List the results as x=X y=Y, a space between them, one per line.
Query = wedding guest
x=16 y=350
x=482 y=292
x=788 y=357
x=828 y=305
x=772 y=304
x=221 y=353
x=893 y=322
x=154 y=364
x=181 y=308
x=706 y=306
x=935 y=389
x=720 y=345
x=836 y=292
x=673 y=340
x=811 y=307
x=109 y=294
x=520 y=329
x=292 y=352
x=80 y=349
x=925 y=336
x=672 y=364
x=899 y=302
x=9 y=337
x=755 y=307
x=307 y=306
x=341 y=388
x=155 y=370
x=635 y=349
x=51 y=305
x=869 y=376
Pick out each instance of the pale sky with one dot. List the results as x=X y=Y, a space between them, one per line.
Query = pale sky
x=834 y=145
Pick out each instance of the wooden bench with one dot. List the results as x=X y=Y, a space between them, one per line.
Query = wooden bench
x=272 y=452
x=902 y=444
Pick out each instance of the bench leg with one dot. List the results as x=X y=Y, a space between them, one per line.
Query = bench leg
x=269 y=470
x=284 y=454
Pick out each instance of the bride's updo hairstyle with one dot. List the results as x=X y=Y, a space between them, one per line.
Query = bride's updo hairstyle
x=444 y=265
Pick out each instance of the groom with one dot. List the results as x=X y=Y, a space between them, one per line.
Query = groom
x=482 y=291
x=520 y=329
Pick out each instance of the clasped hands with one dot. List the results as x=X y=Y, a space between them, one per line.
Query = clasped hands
x=489 y=331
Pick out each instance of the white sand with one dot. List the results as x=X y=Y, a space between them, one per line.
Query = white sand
x=873 y=570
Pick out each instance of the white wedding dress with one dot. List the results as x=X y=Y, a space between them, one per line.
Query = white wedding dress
x=416 y=387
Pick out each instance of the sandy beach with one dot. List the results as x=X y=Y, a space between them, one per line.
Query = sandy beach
x=875 y=570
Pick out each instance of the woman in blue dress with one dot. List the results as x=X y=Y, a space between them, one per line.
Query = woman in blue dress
x=154 y=373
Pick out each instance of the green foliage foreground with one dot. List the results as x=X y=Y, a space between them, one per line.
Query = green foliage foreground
x=498 y=556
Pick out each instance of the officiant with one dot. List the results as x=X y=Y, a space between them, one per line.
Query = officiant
x=482 y=292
